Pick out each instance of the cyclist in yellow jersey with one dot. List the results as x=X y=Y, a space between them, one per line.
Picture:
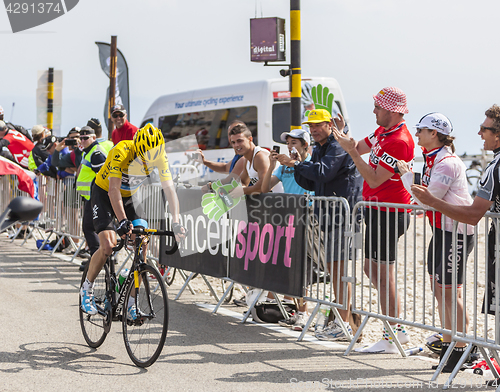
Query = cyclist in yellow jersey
x=119 y=178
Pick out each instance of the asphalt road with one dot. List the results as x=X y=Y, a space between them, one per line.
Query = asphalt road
x=42 y=348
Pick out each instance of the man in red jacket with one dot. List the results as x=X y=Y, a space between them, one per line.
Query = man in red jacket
x=123 y=129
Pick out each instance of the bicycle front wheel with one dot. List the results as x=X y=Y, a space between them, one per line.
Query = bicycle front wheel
x=145 y=336
x=95 y=327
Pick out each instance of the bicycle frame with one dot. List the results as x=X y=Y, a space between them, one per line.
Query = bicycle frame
x=117 y=300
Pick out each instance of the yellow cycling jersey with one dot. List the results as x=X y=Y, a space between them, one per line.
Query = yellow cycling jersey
x=122 y=162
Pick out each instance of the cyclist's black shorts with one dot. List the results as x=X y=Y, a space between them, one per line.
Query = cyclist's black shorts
x=103 y=215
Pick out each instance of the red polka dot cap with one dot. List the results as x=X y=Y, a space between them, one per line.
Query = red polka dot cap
x=392 y=99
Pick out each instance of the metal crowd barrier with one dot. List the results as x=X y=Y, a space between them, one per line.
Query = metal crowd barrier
x=328 y=240
x=419 y=307
x=324 y=278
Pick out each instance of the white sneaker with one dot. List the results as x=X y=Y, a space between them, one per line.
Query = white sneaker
x=301 y=322
x=333 y=331
x=386 y=345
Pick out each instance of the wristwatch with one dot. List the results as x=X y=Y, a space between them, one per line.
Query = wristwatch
x=296 y=163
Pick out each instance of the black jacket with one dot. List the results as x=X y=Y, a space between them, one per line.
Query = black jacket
x=330 y=172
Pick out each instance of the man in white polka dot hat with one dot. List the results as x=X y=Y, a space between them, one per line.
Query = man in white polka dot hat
x=390 y=142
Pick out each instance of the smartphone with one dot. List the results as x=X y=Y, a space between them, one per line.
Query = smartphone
x=417 y=178
x=277 y=149
x=70 y=142
x=195 y=156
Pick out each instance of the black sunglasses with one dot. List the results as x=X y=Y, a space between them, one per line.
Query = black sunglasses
x=488 y=128
x=84 y=137
x=119 y=114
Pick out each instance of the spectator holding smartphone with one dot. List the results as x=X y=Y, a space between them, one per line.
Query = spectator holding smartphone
x=390 y=142
x=444 y=177
x=67 y=156
x=297 y=141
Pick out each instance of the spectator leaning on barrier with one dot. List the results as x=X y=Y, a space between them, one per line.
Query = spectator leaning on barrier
x=390 y=142
x=15 y=146
x=298 y=141
x=255 y=159
x=39 y=153
x=123 y=129
x=330 y=172
x=93 y=158
x=48 y=144
x=487 y=198
x=444 y=176
x=67 y=155
x=236 y=163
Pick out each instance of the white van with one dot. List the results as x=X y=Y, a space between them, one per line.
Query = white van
x=205 y=114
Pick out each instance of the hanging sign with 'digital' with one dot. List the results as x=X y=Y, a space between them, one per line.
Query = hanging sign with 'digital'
x=267 y=39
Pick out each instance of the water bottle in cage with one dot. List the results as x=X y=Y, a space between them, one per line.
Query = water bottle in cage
x=122 y=277
x=323 y=314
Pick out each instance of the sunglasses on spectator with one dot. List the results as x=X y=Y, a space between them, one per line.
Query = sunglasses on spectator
x=85 y=137
x=421 y=129
x=487 y=128
x=119 y=114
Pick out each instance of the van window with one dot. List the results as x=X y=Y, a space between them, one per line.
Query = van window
x=210 y=127
x=281 y=118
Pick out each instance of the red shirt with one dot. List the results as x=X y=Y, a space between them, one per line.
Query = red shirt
x=387 y=147
x=125 y=132
x=19 y=146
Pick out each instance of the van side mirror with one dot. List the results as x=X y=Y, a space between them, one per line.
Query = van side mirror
x=21 y=209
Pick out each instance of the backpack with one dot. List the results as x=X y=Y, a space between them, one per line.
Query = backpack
x=269 y=312
x=63 y=245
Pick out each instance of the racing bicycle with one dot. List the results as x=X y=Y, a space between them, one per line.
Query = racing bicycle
x=144 y=337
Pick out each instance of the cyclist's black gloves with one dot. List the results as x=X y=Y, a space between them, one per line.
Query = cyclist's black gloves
x=177 y=228
x=123 y=227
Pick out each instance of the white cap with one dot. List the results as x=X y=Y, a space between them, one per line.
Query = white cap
x=297 y=134
x=436 y=121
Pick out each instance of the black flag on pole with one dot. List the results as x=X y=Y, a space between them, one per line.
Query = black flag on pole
x=121 y=90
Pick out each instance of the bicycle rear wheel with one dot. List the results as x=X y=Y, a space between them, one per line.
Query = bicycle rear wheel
x=95 y=328
x=145 y=337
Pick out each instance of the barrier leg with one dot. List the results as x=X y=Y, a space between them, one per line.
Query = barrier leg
x=443 y=361
x=494 y=354
x=184 y=276
x=29 y=233
x=228 y=290
x=45 y=242
x=342 y=325
x=356 y=336
x=16 y=233
x=309 y=321
x=57 y=245
x=214 y=294
x=185 y=285
x=462 y=359
x=280 y=305
x=249 y=311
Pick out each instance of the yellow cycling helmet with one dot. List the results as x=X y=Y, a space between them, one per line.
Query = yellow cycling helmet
x=147 y=142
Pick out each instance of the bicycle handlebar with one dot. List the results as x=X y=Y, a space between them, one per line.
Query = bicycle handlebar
x=143 y=231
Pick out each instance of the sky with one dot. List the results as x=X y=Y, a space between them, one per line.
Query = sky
x=440 y=53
